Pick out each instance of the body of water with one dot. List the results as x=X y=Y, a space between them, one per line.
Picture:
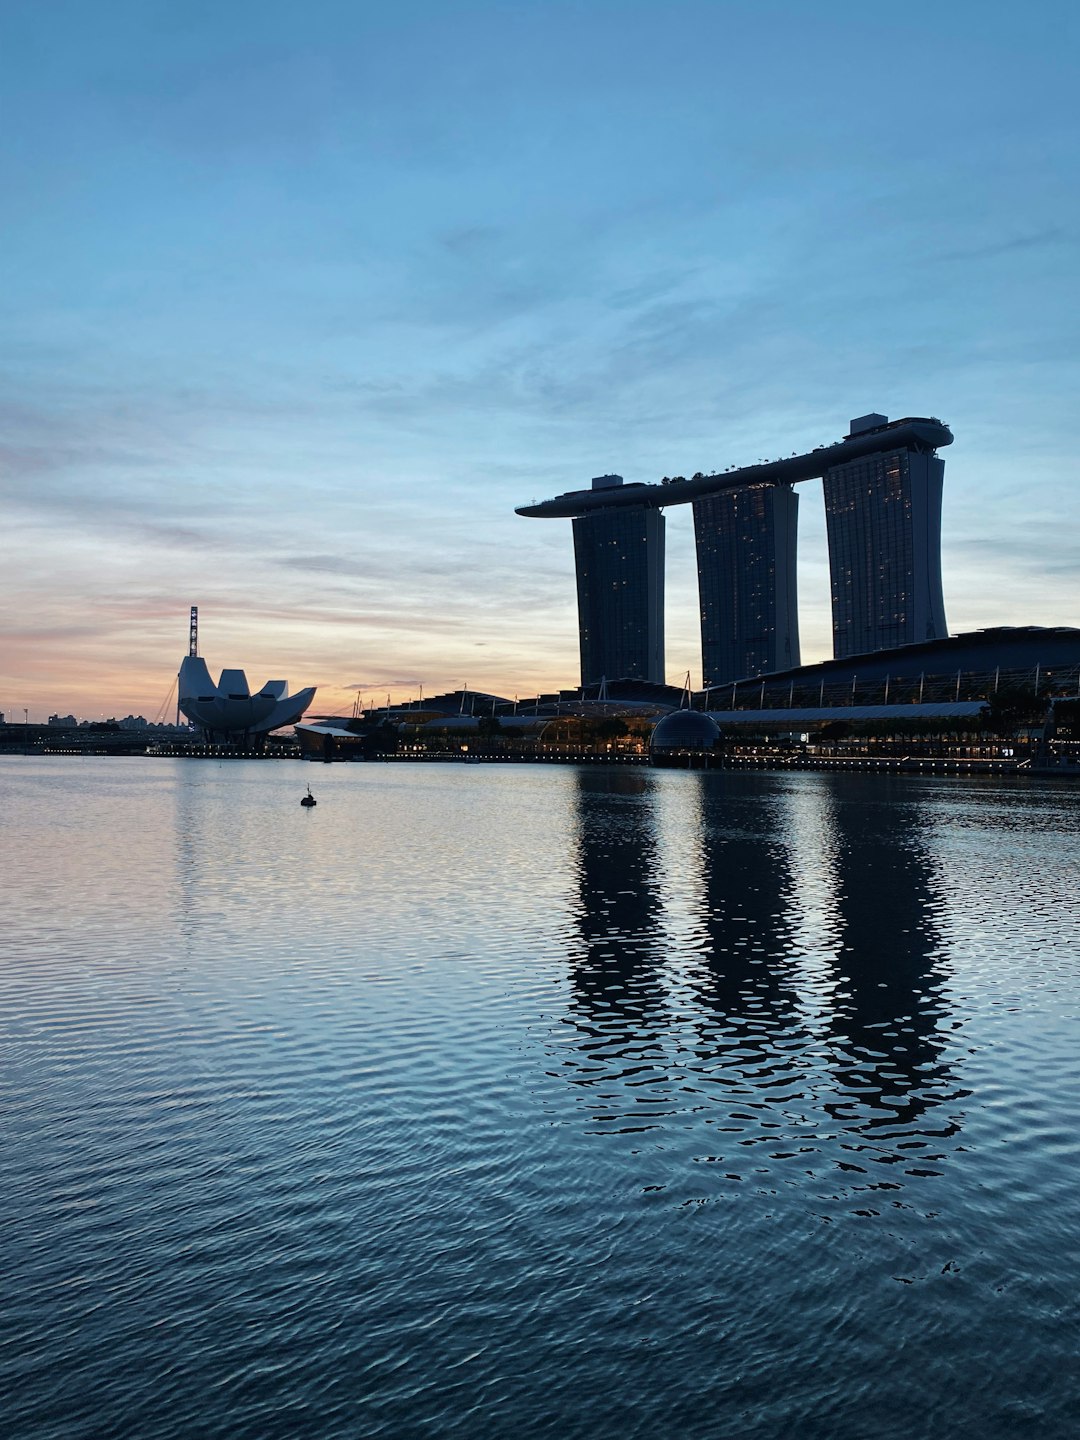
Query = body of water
x=488 y=1101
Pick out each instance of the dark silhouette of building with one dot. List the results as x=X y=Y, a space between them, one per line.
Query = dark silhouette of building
x=746 y=560
x=619 y=555
x=883 y=513
x=883 y=502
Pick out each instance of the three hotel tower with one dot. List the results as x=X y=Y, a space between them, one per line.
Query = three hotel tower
x=882 y=486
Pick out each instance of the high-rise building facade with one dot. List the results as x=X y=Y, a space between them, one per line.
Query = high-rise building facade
x=883 y=514
x=746 y=563
x=619 y=557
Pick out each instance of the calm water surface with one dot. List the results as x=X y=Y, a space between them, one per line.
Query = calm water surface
x=487 y=1101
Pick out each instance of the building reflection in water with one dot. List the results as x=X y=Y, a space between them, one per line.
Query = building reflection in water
x=888 y=1018
x=745 y=985
x=751 y=1035
x=796 y=1016
x=618 y=1001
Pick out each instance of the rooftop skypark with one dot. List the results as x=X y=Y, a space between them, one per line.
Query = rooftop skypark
x=921 y=434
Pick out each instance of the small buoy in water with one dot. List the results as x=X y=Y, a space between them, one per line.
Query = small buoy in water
x=309 y=799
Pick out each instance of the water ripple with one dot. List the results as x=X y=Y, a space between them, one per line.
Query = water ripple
x=536 y=1102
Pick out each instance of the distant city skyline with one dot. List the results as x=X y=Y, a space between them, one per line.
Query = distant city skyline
x=302 y=303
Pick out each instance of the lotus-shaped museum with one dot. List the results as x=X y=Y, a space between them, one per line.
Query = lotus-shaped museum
x=228 y=710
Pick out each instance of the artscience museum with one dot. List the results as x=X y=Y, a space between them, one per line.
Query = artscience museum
x=228 y=712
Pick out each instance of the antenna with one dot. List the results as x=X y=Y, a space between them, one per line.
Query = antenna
x=193 y=633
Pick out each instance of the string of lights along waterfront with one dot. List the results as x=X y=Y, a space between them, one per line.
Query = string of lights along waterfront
x=882 y=488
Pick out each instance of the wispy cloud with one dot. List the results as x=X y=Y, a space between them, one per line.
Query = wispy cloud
x=1054 y=235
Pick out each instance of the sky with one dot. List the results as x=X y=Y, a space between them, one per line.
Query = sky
x=301 y=300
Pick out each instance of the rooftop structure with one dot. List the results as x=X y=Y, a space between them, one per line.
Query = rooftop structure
x=914 y=433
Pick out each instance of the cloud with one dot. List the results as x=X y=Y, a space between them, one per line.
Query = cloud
x=320 y=564
x=471 y=241
x=1037 y=550
x=379 y=683
x=1037 y=240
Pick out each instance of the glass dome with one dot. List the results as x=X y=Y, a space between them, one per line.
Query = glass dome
x=685 y=730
